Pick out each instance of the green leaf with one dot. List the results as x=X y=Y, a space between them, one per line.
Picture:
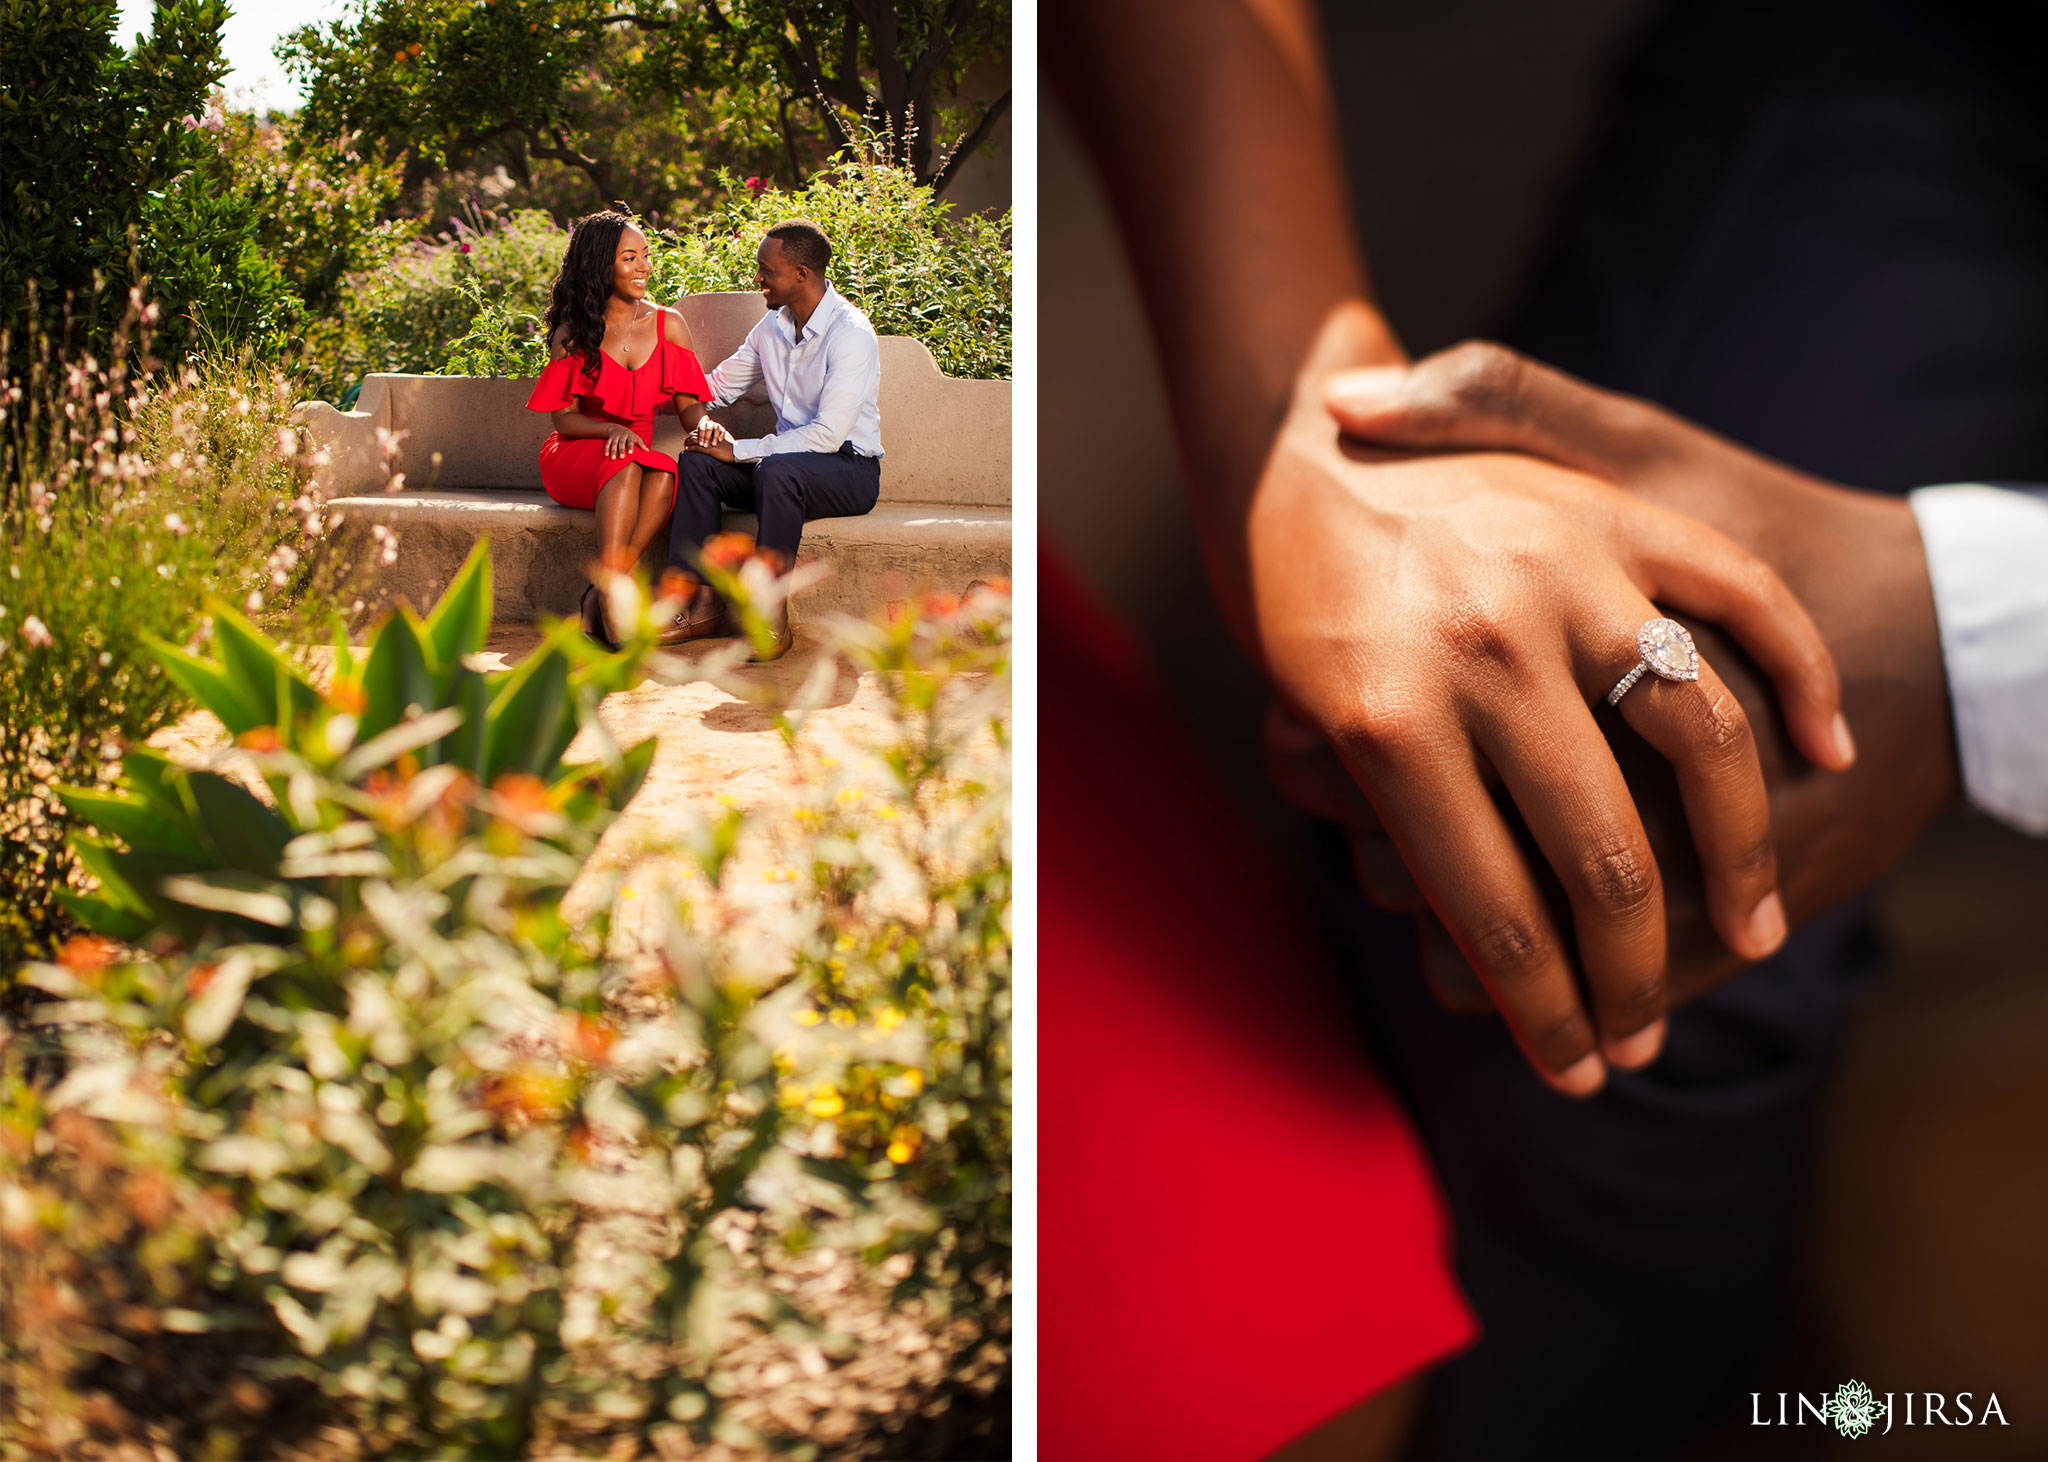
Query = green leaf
x=100 y=860
x=462 y=619
x=264 y=676
x=160 y=782
x=395 y=676
x=470 y=693
x=532 y=711
x=212 y=687
x=244 y=833
x=102 y=916
x=131 y=819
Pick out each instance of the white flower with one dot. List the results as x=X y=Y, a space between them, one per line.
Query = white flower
x=37 y=633
x=175 y=523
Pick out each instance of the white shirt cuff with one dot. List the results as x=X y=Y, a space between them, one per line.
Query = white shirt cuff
x=749 y=449
x=1987 y=556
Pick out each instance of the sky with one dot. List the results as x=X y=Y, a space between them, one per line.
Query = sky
x=252 y=29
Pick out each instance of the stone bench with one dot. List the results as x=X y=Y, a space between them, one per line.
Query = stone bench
x=470 y=450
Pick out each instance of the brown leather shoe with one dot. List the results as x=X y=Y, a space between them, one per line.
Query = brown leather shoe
x=785 y=636
x=703 y=618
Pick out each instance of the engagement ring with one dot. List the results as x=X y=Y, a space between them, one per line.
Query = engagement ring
x=1666 y=649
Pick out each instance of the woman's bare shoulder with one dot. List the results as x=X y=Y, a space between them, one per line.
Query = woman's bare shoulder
x=558 y=343
x=675 y=329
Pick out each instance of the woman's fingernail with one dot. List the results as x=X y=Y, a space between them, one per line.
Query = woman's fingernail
x=1369 y=389
x=1845 y=744
x=1582 y=1078
x=1767 y=924
x=1640 y=1049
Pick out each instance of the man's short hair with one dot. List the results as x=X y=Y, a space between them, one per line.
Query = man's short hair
x=803 y=242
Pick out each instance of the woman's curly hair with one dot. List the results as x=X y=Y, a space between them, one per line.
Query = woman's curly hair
x=585 y=284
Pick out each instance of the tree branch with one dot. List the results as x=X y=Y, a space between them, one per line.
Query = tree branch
x=968 y=144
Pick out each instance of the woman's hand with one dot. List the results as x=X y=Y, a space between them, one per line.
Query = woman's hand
x=1446 y=623
x=1854 y=559
x=622 y=441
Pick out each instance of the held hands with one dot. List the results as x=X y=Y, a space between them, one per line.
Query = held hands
x=1854 y=559
x=710 y=438
x=1446 y=623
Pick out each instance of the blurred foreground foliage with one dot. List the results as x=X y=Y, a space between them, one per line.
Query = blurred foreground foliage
x=368 y=1121
x=126 y=497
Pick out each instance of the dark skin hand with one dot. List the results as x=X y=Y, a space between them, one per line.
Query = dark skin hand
x=1445 y=619
x=1854 y=560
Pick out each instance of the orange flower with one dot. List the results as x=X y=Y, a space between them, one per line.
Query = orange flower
x=940 y=606
x=521 y=797
x=728 y=550
x=677 y=584
x=522 y=1095
x=346 y=696
x=998 y=585
x=259 y=739
x=588 y=1039
x=84 y=953
x=199 y=979
x=149 y=1198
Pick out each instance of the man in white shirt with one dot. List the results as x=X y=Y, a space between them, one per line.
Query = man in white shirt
x=819 y=359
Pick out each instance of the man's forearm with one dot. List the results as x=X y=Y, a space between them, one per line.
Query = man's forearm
x=1213 y=133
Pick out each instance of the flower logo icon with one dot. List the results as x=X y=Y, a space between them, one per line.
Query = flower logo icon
x=1854 y=1410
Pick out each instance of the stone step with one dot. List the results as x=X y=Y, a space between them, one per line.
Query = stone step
x=541 y=552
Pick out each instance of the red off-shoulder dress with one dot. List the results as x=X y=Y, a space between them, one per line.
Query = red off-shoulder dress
x=572 y=469
x=1238 y=1234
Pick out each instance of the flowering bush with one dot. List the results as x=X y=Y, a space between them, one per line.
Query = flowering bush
x=122 y=502
x=410 y=314
x=897 y=252
x=443 y=1163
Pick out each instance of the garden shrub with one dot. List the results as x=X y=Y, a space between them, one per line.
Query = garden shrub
x=897 y=252
x=440 y=1162
x=411 y=313
x=122 y=503
x=126 y=189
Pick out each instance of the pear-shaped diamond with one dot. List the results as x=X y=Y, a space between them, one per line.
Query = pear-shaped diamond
x=1667 y=649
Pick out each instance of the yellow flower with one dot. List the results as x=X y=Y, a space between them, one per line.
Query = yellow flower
x=888 y=1018
x=808 y=1016
x=905 y=1083
x=843 y=1018
x=827 y=1103
x=903 y=1144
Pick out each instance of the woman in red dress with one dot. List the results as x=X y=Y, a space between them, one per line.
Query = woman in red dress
x=1241 y=1247
x=616 y=359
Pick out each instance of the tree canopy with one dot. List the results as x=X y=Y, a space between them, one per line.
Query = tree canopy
x=754 y=86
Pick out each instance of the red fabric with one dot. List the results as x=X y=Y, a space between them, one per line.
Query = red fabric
x=573 y=469
x=1238 y=1234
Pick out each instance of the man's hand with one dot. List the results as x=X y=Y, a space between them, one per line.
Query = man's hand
x=1854 y=560
x=712 y=439
x=1446 y=622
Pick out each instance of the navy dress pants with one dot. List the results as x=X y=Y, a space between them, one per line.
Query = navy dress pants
x=1820 y=229
x=786 y=491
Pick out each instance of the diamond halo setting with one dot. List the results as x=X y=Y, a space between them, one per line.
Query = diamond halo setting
x=1664 y=648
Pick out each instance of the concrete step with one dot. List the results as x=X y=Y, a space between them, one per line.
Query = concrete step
x=541 y=552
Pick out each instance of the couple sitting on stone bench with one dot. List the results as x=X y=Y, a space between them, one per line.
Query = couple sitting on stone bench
x=617 y=358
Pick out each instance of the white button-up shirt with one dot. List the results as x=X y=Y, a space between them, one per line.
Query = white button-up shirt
x=1987 y=558
x=823 y=387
